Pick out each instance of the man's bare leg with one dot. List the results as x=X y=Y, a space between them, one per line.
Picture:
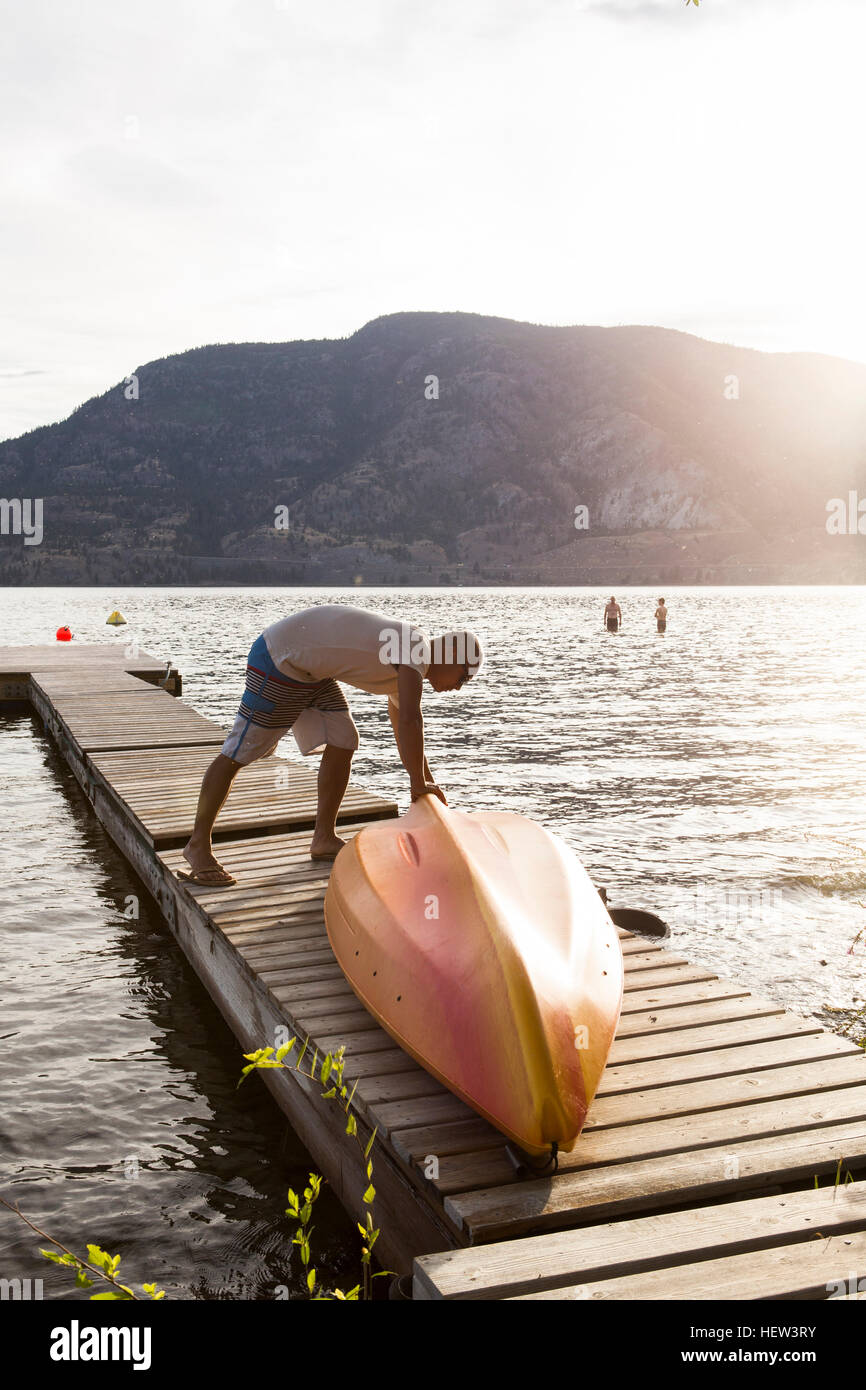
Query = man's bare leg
x=215 y=787
x=334 y=772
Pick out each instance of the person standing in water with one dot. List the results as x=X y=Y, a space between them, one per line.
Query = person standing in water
x=612 y=615
x=661 y=616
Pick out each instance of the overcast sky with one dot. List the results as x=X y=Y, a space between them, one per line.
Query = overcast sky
x=182 y=172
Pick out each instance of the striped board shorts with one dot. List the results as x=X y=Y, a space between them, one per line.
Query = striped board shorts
x=272 y=704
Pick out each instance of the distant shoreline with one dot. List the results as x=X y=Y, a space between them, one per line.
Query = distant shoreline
x=346 y=586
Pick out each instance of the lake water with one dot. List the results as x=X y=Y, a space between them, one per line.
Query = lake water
x=715 y=775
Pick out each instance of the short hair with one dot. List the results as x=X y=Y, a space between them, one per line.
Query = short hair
x=661 y=600
x=458 y=648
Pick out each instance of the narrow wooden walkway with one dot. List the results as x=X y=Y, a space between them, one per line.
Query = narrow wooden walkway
x=711 y=1094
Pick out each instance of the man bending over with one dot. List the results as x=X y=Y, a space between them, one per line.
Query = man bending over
x=293 y=671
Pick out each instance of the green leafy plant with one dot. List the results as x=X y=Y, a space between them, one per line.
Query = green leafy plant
x=103 y=1267
x=302 y=1212
x=332 y=1070
x=98 y=1263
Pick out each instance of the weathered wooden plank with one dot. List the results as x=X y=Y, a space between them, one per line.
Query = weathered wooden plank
x=134 y=736
x=464 y=1172
x=659 y=1044
x=640 y=1075
x=634 y=961
x=359 y=1045
x=151 y=720
x=397 y=1088
x=682 y=1178
x=270 y=896
x=311 y=1014
x=297 y=995
x=801 y=1083
x=267 y=852
x=635 y=946
x=470 y=1137
x=301 y=974
x=674 y=994
x=389 y=1061
x=662 y=976
x=722 y=1006
x=334 y=1021
x=537 y=1264
x=115 y=696
x=305 y=928
x=307 y=951
x=805 y=1270
x=270 y=899
x=272 y=793
x=441 y=1106
x=91 y=684
x=267 y=924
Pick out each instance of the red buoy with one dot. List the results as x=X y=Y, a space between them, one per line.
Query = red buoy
x=64 y=635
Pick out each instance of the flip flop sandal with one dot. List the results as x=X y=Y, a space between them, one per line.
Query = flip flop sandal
x=204 y=878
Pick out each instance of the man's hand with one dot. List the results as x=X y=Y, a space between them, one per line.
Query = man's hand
x=429 y=789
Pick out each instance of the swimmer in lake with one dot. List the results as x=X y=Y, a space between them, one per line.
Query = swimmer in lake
x=612 y=615
x=661 y=616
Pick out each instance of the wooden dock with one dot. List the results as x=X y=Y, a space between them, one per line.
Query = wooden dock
x=793 y=1246
x=714 y=1100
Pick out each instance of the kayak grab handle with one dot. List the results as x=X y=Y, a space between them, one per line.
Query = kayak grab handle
x=408 y=847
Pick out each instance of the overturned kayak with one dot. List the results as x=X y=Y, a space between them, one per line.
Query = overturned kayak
x=481 y=945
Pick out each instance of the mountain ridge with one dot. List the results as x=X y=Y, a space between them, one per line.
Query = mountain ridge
x=451 y=447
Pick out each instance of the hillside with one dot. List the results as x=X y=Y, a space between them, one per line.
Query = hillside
x=686 y=474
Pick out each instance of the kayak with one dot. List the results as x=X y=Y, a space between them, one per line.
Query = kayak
x=481 y=945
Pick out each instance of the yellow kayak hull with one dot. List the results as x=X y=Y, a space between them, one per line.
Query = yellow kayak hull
x=481 y=945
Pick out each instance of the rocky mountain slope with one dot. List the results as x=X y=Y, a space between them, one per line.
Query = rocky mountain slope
x=451 y=448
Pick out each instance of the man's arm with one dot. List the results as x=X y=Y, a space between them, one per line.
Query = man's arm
x=408 y=725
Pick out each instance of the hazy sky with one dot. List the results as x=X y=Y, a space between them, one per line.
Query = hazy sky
x=184 y=172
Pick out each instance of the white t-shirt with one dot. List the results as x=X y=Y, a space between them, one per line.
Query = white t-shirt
x=348 y=644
